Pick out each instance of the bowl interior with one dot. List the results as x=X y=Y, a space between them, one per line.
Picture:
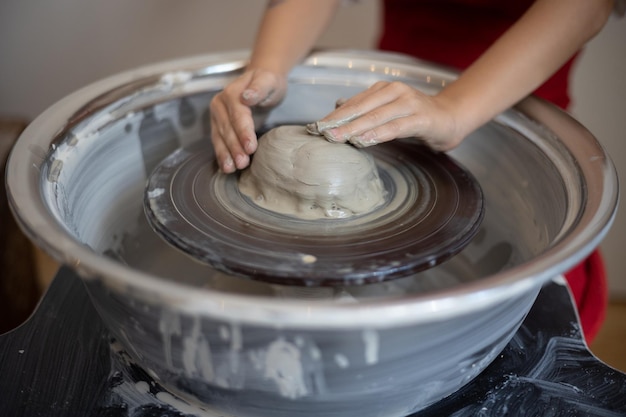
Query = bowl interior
x=94 y=178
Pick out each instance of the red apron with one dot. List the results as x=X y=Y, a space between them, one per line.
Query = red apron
x=457 y=32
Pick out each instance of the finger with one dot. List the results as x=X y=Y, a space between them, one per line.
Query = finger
x=399 y=127
x=377 y=96
x=263 y=89
x=340 y=102
x=224 y=159
x=327 y=128
x=241 y=141
x=232 y=134
x=434 y=134
x=241 y=122
x=219 y=131
x=379 y=116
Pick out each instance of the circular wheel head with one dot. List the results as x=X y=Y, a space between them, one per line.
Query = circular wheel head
x=433 y=208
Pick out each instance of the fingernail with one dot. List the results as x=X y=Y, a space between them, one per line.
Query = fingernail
x=250 y=147
x=227 y=165
x=249 y=94
x=312 y=129
x=357 y=141
x=330 y=135
x=362 y=141
x=241 y=161
x=267 y=100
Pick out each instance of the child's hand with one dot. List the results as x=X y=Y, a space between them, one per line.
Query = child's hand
x=390 y=110
x=232 y=128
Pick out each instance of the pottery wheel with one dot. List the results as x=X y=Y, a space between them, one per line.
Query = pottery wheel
x=433 y=208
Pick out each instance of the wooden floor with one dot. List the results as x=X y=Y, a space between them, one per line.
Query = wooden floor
x=610 y=344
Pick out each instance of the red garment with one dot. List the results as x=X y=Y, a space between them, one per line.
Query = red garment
x=455 y=33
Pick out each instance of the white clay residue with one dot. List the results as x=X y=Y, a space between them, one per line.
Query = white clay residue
x=324 y=129
x=342 y=361
x=282 y=364
x=236 y=342
x=372 y=346
x=177 y=78
x=197 y=359
x=236 y=345
x=315 y=352
x=142 y=387
x=224 y=332
x=155 y=193
x=304 y=176
x=309 y=259
x=169 y=325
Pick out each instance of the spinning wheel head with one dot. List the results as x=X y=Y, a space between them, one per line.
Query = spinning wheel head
x=432 y=208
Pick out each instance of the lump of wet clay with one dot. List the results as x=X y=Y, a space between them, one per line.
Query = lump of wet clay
x=307 y=177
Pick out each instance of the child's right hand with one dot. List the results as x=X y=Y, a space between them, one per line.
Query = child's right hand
x=232 y=127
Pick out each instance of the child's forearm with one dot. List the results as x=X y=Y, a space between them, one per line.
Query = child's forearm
x=548 y=34
x=288 y=31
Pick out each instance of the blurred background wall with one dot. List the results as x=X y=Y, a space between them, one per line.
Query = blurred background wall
x=50 y=48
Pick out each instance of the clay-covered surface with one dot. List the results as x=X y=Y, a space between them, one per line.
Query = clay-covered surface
x=545 y=369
